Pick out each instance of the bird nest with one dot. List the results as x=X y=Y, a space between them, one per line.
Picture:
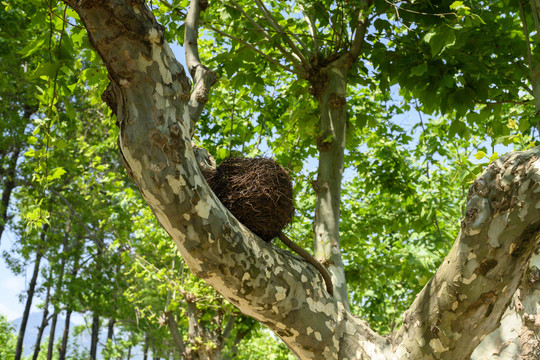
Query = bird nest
x=258 y=192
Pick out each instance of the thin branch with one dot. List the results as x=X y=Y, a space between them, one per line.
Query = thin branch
x=294 y=60
x=191 y=35
x=228 y=327
x=313 y=31
x=527 y=40
x=280 y=30
x=360 y=31
x=203 y=78
x=266 y=56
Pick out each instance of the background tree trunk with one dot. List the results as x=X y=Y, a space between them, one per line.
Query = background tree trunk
x=44 y=323
x=8 y=185
x=94 y=338
x=65 y=336
x=30 y=295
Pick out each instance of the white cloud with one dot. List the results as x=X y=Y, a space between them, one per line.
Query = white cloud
x=11 y=312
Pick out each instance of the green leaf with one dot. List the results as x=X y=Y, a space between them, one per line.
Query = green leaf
x=34 y=46
x=441 y=41
x=56 y=173
x=480 y=155
x=47 y=69
x=456 y=5
x=419 y=70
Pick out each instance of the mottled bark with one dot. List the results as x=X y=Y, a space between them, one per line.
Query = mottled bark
x=471 y=290
x=465 y=300
x=149 y=93
x=330 y=88
x=518 y=336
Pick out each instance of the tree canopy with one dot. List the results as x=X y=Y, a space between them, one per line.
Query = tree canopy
x=386 y=115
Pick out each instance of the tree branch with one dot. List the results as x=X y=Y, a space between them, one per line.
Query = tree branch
x=360 y=30
x=203 y=78
x=294 y=60
x=266 y=56
x=148 y=93
x=313 y=31
x=535 y=8
x=281 y=31
x=177 y=337
x=471 y=290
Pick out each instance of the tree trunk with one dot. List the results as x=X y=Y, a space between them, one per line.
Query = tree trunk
x=30 y=295
x=517 y=336
x=110 y=329
x=94 y=337
x=176 y=336
x=8 y=187
x=44 y=323
x=332 y=86
x=145 y=348
x=129 y=353
x=63 y=348
x=50 y=347
x=57 y=292
x=110 y=334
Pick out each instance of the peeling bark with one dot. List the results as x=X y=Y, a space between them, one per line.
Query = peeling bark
x=458 y=307
x=518 y=336
x=471 y=290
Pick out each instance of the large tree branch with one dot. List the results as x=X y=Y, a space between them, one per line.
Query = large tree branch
x=468 y=295
x=360 y=30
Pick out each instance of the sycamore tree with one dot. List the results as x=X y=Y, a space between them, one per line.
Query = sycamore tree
x=472 y=65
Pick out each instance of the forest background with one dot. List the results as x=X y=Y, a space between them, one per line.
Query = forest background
x=438 y=94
